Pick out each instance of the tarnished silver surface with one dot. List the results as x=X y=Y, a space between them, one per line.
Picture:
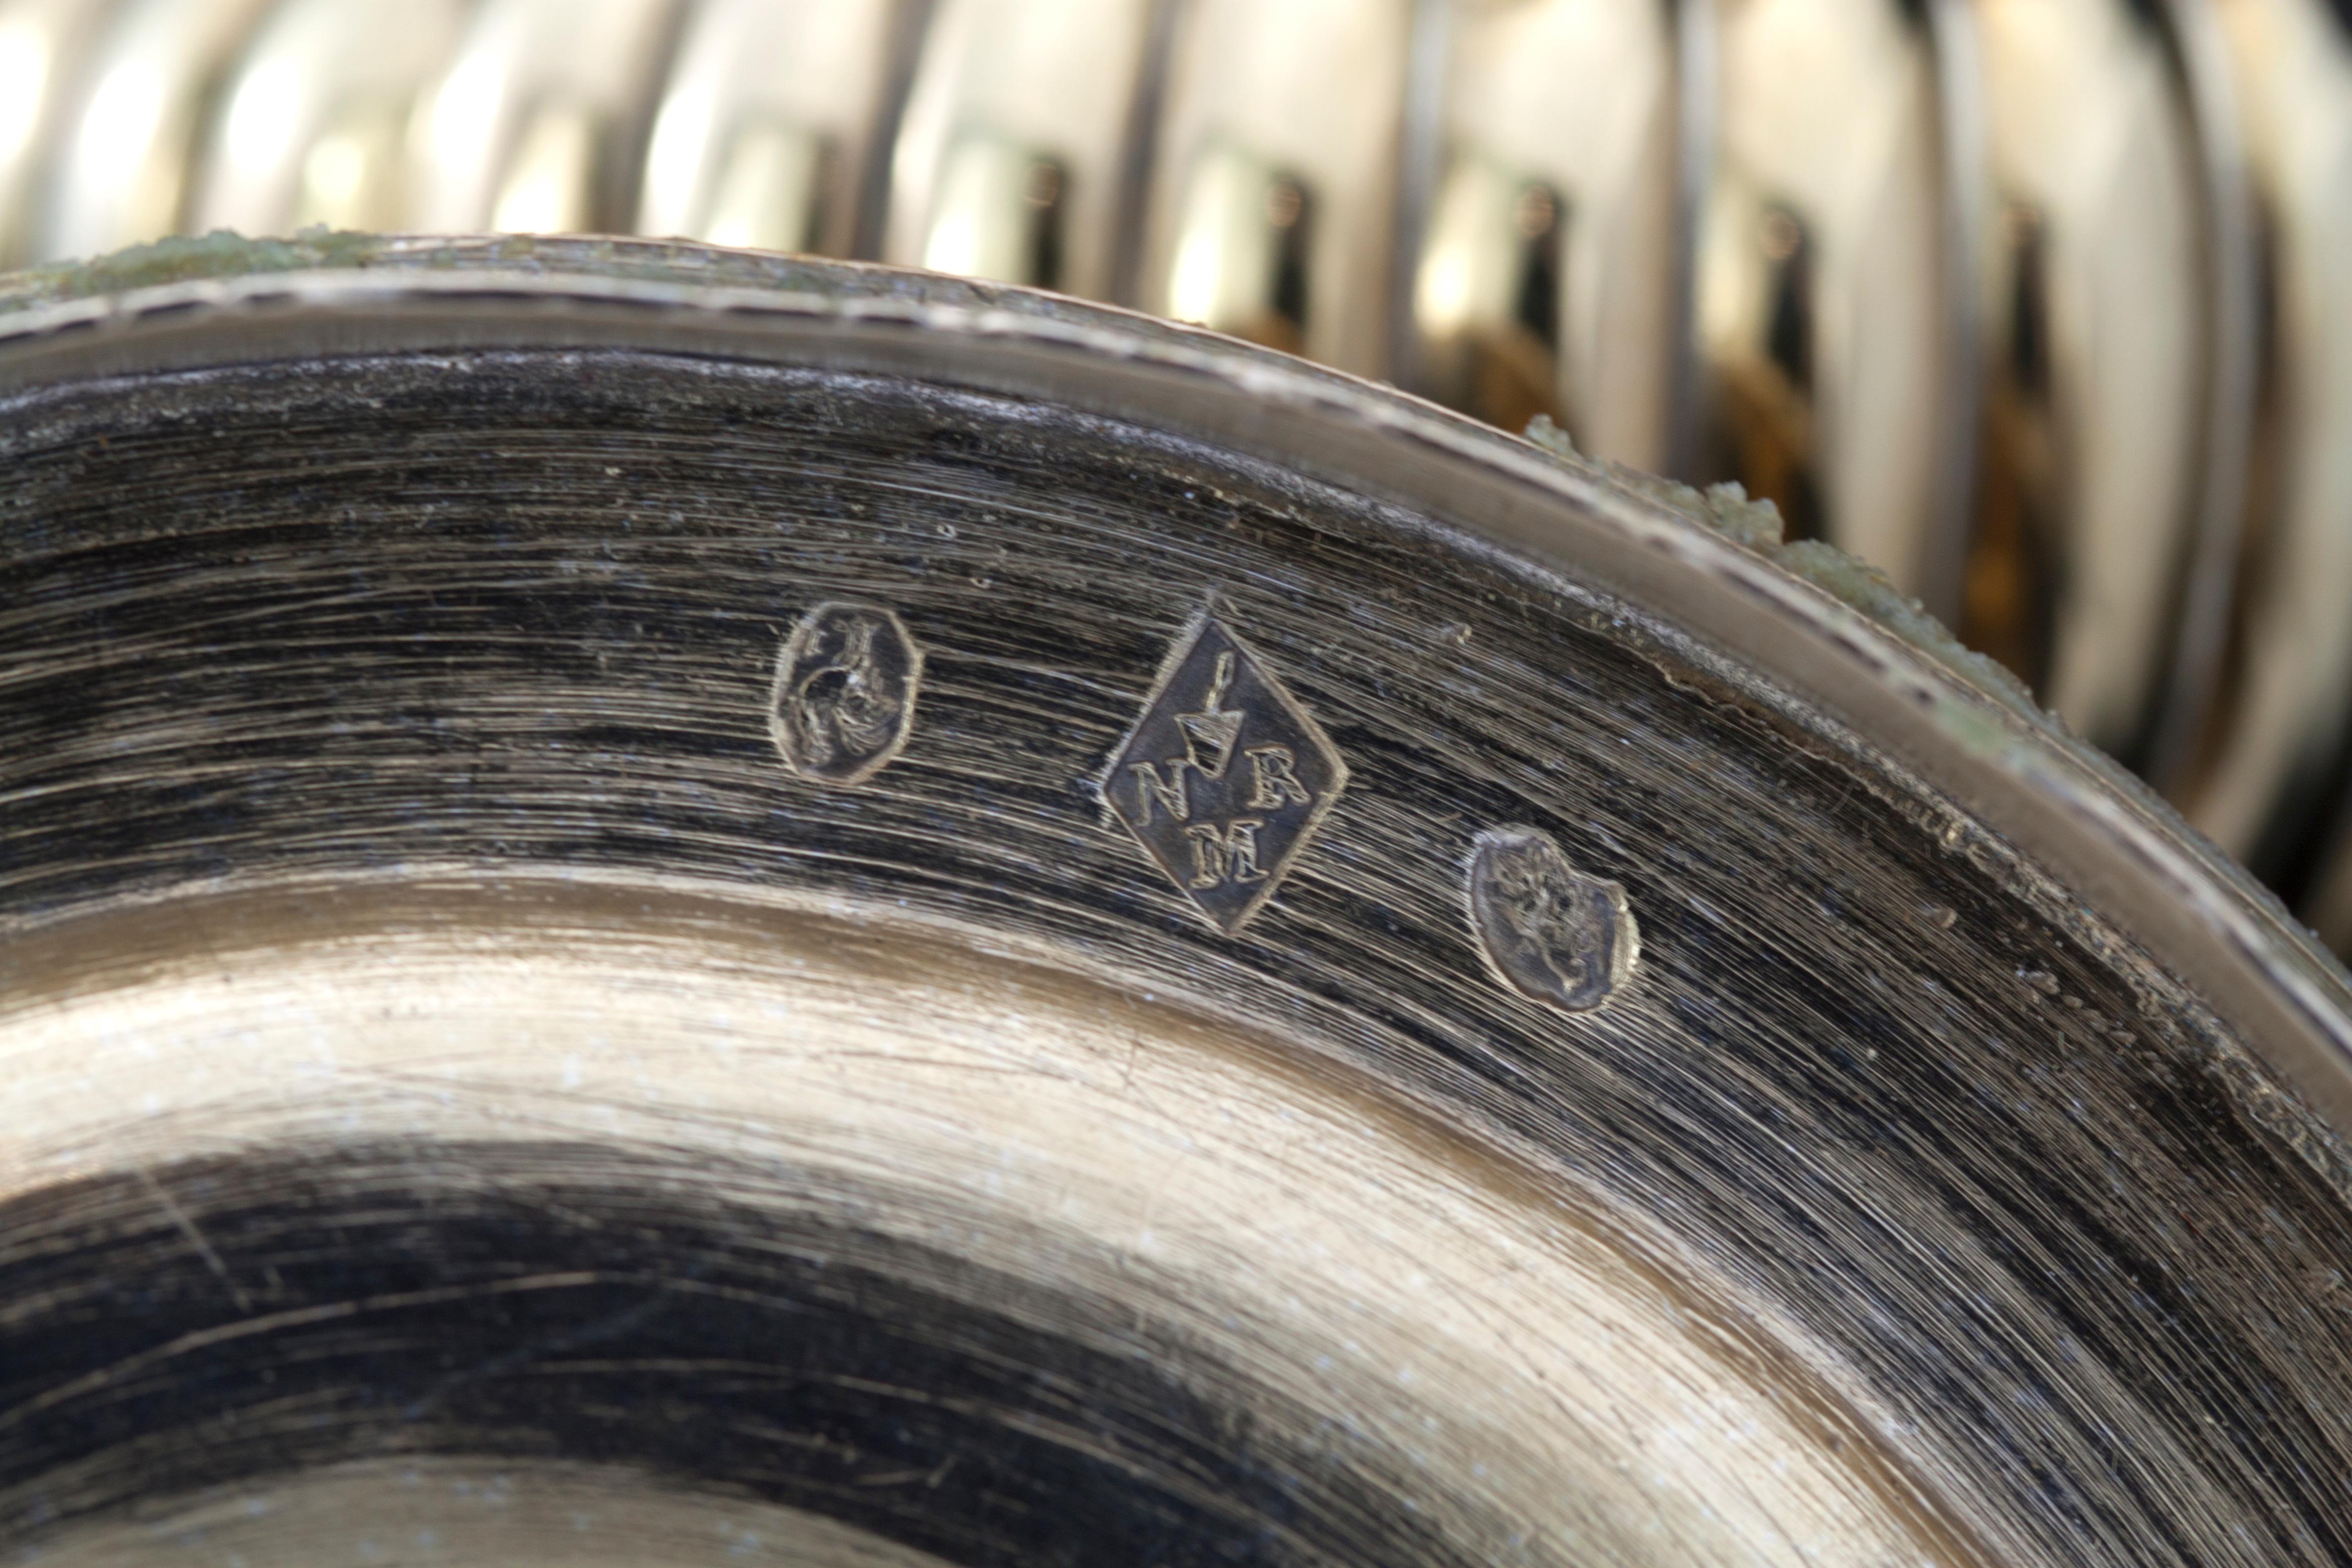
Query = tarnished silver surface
x=1723 y=1081
x=1994 y=294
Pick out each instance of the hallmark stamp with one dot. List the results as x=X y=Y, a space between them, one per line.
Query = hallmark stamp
x=1549 y=932
x=1224 y=778
x=845 y=693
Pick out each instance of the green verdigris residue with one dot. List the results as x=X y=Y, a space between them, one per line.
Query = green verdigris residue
x=220 y=253
x=1754 y=524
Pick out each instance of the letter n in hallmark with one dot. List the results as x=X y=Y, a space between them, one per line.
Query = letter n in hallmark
x=1169 y=792
x=1227 y=857
x=1225 y=778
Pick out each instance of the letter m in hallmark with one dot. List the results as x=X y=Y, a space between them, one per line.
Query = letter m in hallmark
x=1224 y=778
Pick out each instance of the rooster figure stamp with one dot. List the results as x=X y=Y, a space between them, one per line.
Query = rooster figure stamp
x=845 y=693
x=1225 y=778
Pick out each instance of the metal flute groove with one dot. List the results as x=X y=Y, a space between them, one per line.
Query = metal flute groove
x=2031 y=303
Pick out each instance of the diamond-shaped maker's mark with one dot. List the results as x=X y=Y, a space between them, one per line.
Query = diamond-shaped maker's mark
x=1224 y=778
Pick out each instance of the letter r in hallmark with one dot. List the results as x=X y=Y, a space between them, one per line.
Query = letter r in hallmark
x=1224 y=778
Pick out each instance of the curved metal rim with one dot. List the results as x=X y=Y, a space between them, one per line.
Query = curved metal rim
x=2107 y=840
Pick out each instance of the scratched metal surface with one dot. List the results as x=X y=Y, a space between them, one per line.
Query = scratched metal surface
x=450 y=1045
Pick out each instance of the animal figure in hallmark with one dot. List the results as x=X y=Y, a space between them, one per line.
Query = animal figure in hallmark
x=845 y=695
x=1224 y=778
x=1552 y=934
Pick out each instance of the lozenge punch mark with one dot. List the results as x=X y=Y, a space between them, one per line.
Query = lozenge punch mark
x=1224 y=778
